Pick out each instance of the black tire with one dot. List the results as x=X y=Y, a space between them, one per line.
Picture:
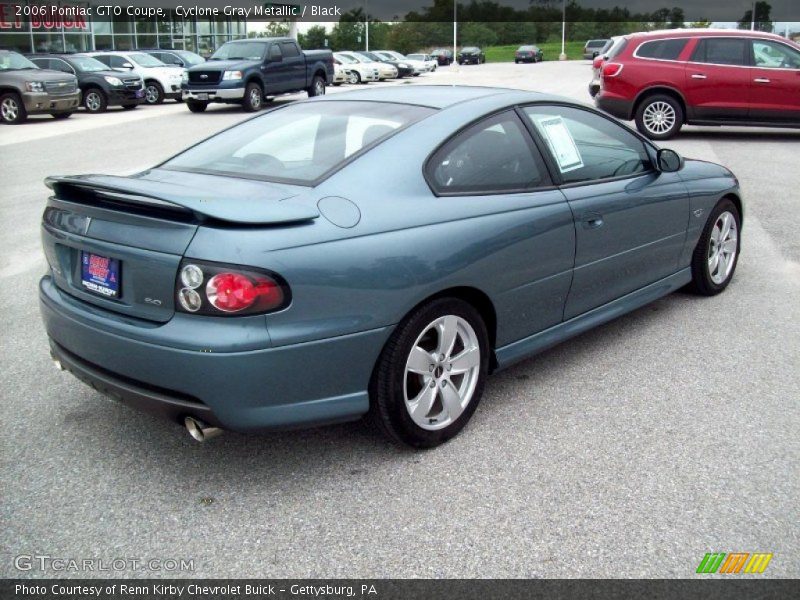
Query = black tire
x=516 y=62
x=654 y=100
x=317 y=87
x=388 y=409
x=197 y=106
x=129 y=106
x=62 y=115
x=702 y=282
x=13 y=110
x=154 y=93
x=253 y=97
x=95 y=100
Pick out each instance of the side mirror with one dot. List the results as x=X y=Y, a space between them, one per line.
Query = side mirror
x=127 y=65
x=668 y=161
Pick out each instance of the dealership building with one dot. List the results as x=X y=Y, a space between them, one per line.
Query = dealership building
x=71 y=29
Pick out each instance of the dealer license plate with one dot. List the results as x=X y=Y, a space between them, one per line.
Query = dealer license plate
x=100 y=274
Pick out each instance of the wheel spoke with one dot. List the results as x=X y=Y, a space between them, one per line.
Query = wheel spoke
x=729 y=246
x=447 y=335
x=451 y=400
x=421 y=405
x=467 y=359
x=726 y=226
x=713 y=262
x=715 y=234
x=723 y=266
x=419 y=361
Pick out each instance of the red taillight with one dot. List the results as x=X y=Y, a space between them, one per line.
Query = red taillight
x=224 y=290
x=611 y=69
x=232 y=292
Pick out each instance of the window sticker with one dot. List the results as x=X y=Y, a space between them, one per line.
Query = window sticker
x=561 y=143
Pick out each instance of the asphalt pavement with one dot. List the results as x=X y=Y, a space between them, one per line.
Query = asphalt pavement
x=630 y=451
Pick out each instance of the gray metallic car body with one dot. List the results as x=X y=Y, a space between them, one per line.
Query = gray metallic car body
x=360 y=250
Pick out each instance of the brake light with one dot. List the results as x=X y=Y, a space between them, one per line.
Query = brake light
x=227 y=290
x=232 y=292
x=611 y=69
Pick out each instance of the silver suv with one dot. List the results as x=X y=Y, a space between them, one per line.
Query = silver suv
x=25 y=89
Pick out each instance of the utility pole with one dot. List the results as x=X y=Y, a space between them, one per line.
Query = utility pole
x=366 y=6
x=563 y=55
x=455 y=29
x=753 y=17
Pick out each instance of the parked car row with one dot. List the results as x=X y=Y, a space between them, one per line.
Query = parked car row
x=665 y=79
x=59 y=84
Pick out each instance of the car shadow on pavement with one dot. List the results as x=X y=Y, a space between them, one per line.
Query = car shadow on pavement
x=779 y=135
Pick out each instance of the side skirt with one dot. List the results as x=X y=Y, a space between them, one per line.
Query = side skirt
x=526 y=347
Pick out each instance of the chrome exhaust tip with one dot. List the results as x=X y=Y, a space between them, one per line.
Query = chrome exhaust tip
x=200 y=431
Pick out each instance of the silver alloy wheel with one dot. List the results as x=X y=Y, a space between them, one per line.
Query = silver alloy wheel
x=255 y=98
x=9 y=109
x=442 y=372
x=722 y=248
x=93 y=101
x=659 y=117
x=352 y=77
x=151 y=94
x=319 y=88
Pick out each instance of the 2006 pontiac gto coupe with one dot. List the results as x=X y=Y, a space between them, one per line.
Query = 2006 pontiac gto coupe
x=377 y=252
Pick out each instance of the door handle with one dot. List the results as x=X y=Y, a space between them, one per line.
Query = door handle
x=698 y=76
x=761 y=80
x=592 y=221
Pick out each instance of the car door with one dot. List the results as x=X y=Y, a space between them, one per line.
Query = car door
x=775 y=82
x=295 y=65
x=630 y=219
x=276 y=74
x=717 y=79
x=524 y=233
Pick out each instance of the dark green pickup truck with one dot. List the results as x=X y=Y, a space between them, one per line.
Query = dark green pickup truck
x=248 y=72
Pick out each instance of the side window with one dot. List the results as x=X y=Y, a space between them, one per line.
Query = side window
x=60 y=65
x=117 y=62
x=586 y=146
x=42 y=63
x=169 y=59
x=721 y=51
x=275 y=52
x=773 y=55
x=495 y=155
x=104 y=58
x=289 y=50
x=662 y=49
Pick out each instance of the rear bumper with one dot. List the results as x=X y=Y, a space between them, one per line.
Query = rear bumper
x=45 y=103
x=214 y=95
x=299 y=385
x=621 y=108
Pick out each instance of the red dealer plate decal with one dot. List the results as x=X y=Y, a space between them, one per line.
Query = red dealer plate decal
x=100 y=274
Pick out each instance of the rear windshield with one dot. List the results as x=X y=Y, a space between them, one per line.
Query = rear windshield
x=297 y=144
x=596 y=43
x=617 y=48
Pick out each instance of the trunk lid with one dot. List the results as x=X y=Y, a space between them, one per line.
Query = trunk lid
x=117 y=242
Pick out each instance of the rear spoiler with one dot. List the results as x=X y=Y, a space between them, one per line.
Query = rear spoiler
x=159 y=196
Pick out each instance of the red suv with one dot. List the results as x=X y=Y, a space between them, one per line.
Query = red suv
x=702 y=77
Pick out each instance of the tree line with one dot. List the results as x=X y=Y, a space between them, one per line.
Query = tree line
x=486 y=23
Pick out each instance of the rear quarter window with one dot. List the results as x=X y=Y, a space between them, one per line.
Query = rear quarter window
x=662 y=49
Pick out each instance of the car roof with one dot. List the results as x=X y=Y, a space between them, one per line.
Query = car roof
x=690 y=33
x=434 y=96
